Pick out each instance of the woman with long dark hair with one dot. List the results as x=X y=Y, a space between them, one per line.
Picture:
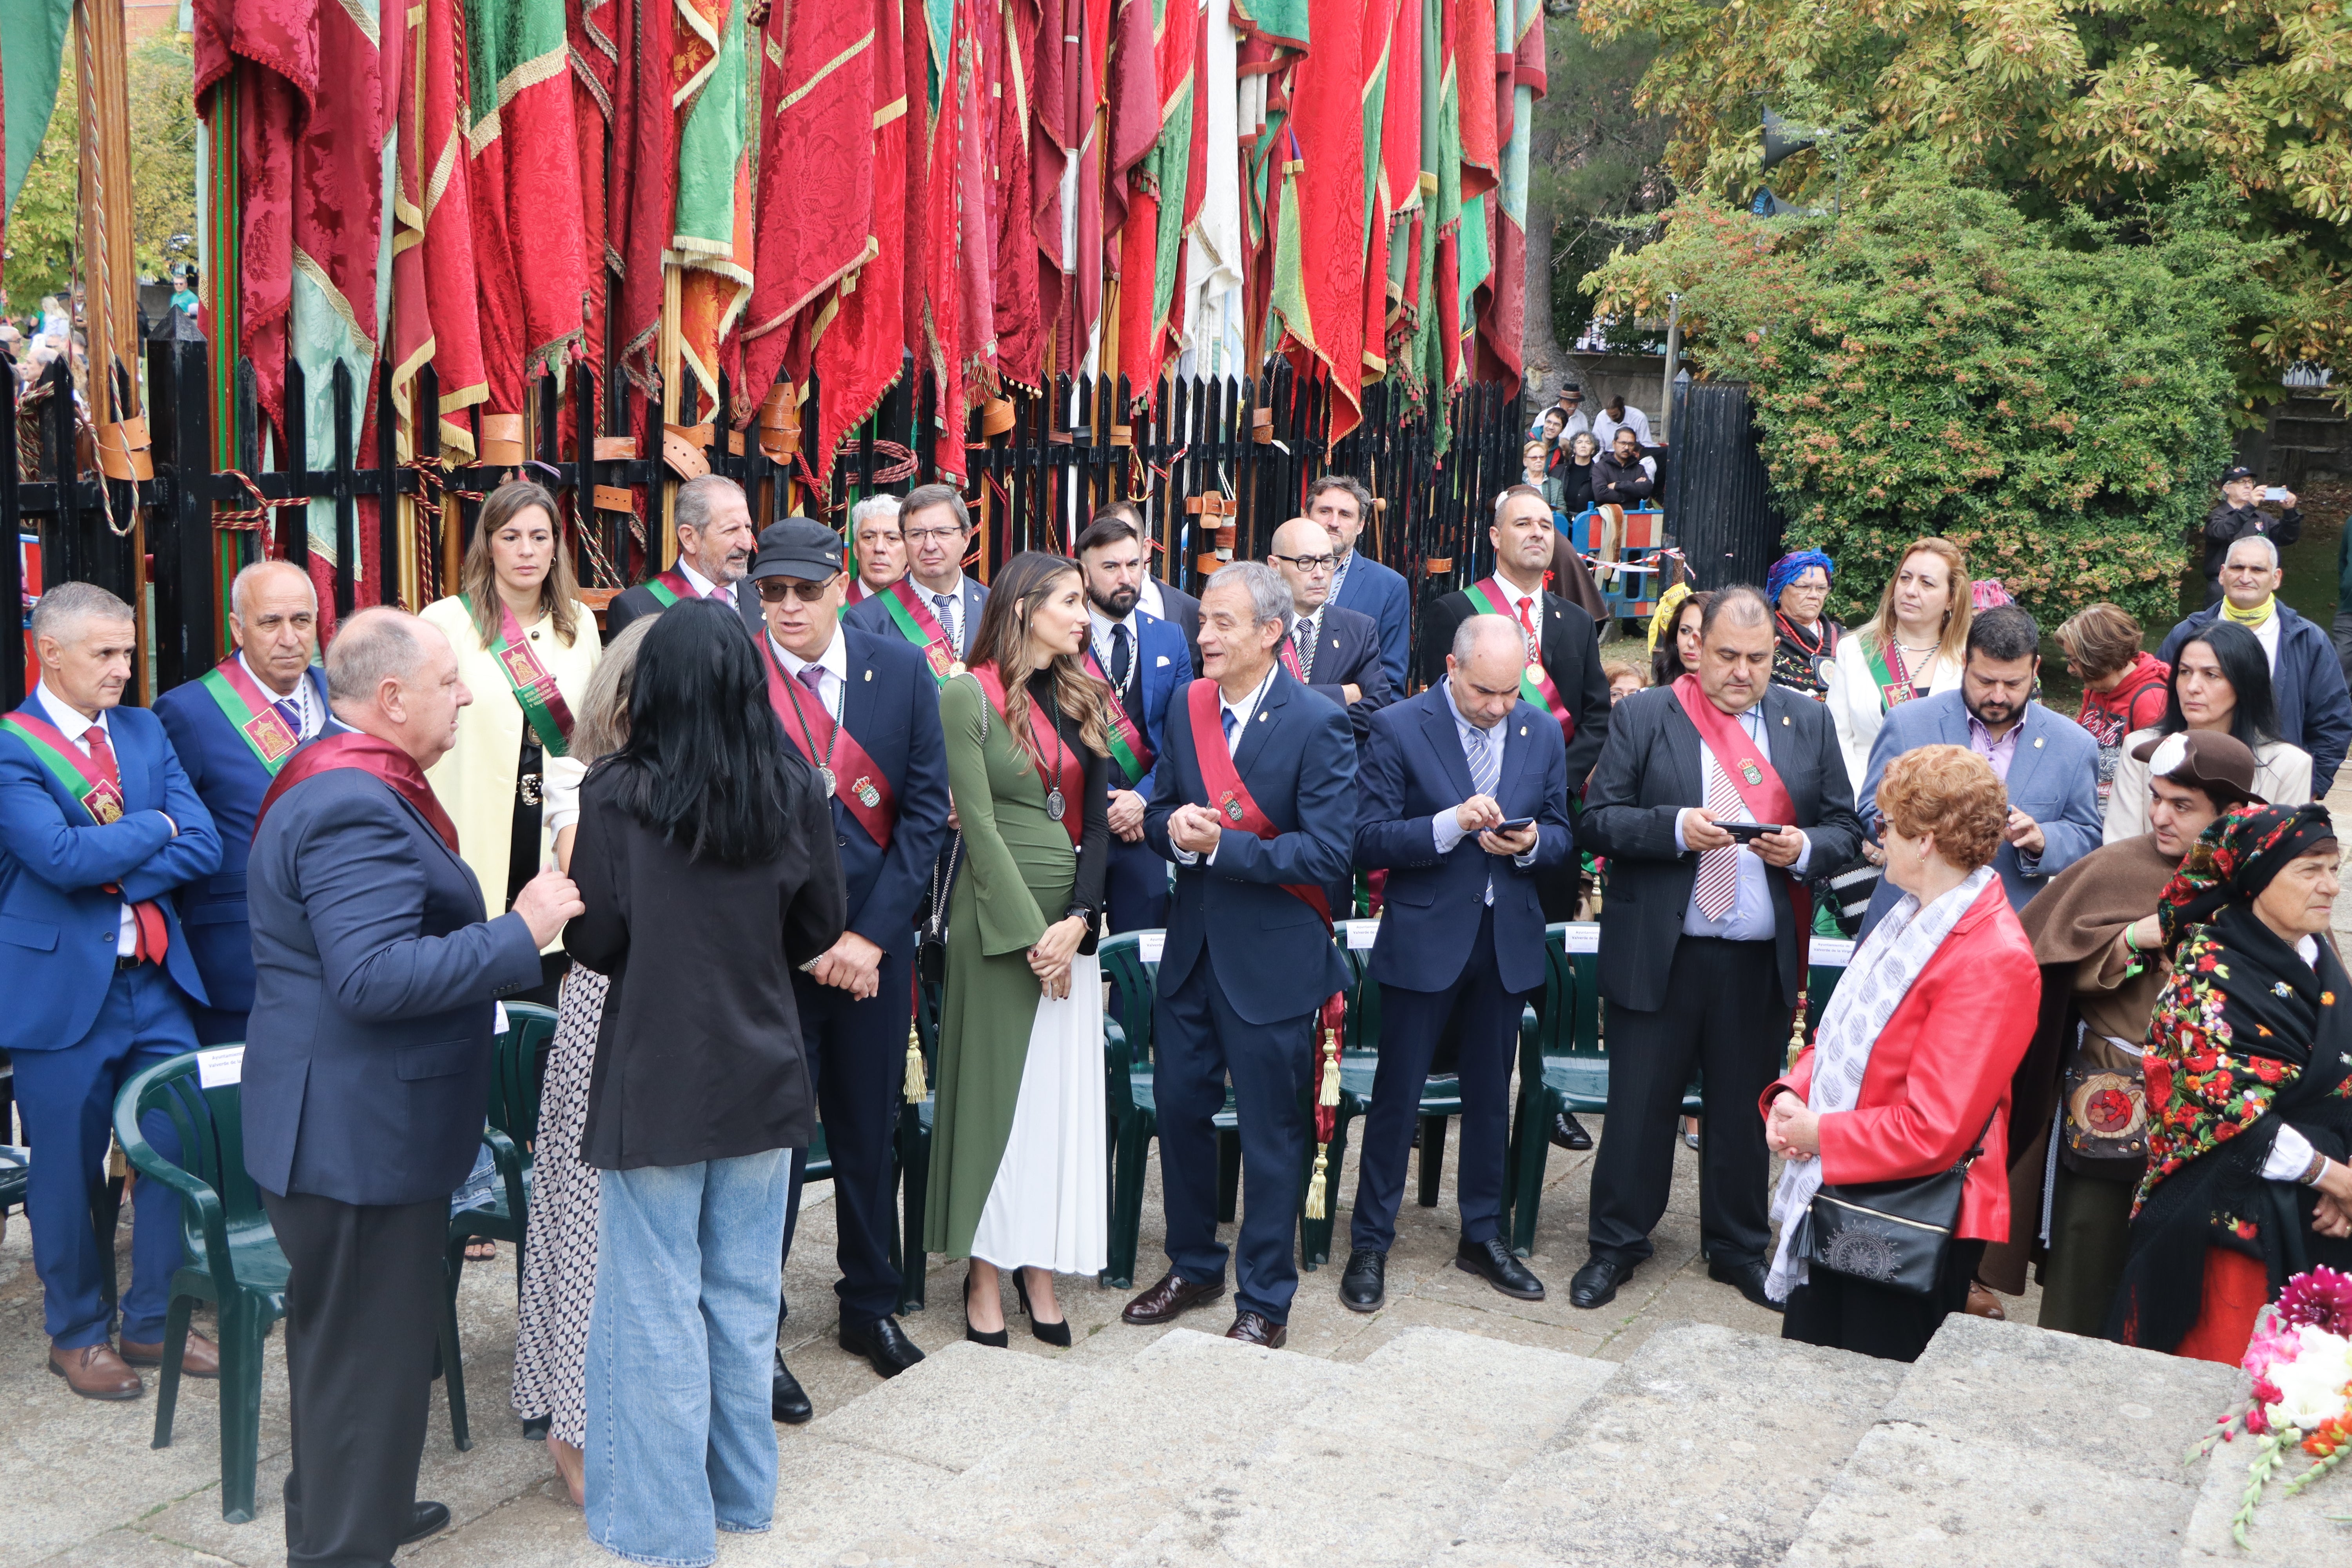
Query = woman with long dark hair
x=526 y=647
x=2221 y=682
x=1018 y=1177
x=1673 y=633
x=706 y=860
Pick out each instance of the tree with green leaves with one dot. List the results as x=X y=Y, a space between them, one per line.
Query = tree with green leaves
x=2096 y=105
x=2048 y=393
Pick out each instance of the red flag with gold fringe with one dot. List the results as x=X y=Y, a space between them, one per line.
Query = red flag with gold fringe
x=860 y=333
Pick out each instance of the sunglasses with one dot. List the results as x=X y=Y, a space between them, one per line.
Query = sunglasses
x=773 y=589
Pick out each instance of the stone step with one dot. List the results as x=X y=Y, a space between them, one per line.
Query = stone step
x=2290 y=1531
x=2016 y=1445
x=1707 y=1447
x=1381 y=1468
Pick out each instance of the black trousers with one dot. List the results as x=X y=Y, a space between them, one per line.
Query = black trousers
x=363 y=1303
x=858 y=1056
x=1856 y=1315
x=1723 y=1018
x=1486 y=1018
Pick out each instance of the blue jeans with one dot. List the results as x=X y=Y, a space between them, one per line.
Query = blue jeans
x=680 y=1442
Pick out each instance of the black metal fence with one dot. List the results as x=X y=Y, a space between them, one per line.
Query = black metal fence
x=1216 y=466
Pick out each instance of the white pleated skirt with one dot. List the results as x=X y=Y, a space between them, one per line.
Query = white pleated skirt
x=1049 y=1206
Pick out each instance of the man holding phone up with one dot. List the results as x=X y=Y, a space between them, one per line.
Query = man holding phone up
x=1463 y=795
x=2239 y=515
x=1703 y=929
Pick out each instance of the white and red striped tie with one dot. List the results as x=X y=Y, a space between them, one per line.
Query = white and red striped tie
x=1718 y=870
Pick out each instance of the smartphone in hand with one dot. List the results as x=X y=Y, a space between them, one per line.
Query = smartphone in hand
x=1512 y=825
x=1748 y=832
x=2275 y=492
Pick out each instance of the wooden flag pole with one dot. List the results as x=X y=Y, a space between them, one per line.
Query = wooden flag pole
x=673 y=303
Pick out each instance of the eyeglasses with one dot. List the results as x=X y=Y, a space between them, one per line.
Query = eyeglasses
x=1310 y=564
x=773 y=589
x=934 y=535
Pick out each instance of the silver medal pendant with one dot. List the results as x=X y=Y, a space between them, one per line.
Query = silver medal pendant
x=1054 y=805
x=827 y=775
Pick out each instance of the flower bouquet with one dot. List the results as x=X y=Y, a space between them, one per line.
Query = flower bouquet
x=2301 y=1361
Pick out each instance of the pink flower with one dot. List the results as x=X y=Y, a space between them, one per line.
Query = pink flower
x=2321 y=1296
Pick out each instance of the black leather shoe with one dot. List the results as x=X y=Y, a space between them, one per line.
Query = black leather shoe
x=1568 y=1132
x=1365 y=1285
x=788 y=1402
x=1748 y=1278
x=882 y=1342
x=430 y=1519
x=1491 y=1260
x=1595 y=1284
x=1171 y=1296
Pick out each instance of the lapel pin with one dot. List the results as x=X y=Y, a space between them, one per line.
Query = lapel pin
x=1784 y=719
x=1263 y=717
x=1523 y=729
x=2037 y=743
x=870 y=674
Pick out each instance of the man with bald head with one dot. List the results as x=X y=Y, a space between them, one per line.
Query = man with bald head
x=367 y=1063
x=99 y=830
x=1463 y=797
x=232 y=730
x=1334 y=651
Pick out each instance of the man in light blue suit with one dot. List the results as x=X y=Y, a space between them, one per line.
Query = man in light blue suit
x=1146 y=661
x=1342 y=505
x=99 y=830
x=2049 y=764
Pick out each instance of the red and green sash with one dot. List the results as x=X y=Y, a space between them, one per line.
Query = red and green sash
x=534 y=690
x=670 y=588
x=251 y=712
x=99 y=789
x=919 y=625
x=1073 y=775
x=1535 y=682
x=378 y=759
x=1228 y=794
x=1128 y=749
x=868 y=796
x=1760 y=788
x=1890 y=691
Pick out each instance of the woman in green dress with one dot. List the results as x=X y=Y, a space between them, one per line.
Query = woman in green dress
x=1019 y=1176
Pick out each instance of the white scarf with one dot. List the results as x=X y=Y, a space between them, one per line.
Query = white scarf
x=1875 y=983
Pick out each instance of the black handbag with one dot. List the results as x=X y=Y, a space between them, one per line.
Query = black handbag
x=1894 y=1234
x=931 y=933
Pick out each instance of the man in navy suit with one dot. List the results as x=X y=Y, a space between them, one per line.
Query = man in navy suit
x=865 y=710
x=98 y=828
x=1145 y=662
x=232 y=730
x=367 y=1063
x=715 y=542
x=1342 y=505
x=1337 y=649
x=1254 y=803
x=1462 y=938
x=2049 y=763
x=935 y=606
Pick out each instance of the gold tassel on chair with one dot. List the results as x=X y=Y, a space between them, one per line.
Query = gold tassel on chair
x=917 y=1091
x=1314 y=1206
x=1797 y=1032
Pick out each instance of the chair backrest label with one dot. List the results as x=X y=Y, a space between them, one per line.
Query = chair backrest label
x=220 y=1067
x=1832 y=953
x=1361 y=934
x=1583 y=936
x=1149 y=945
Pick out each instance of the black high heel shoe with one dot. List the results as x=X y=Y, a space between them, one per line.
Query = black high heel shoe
x=1057 y=1334
x=999 y=1340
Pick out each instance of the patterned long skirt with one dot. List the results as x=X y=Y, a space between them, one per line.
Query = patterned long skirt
x=559 y=1277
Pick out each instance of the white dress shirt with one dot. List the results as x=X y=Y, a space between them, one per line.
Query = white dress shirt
x=1750 y=916
x=703 y=586
x=310 y=713
x=1149 y=601
x=1100 y=625
x=833 y=683
x=1242 y=712
x=76 y=729
x=1604 y=429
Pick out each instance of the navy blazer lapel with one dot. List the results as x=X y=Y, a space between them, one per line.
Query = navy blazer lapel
x=1437 y=726
x=1262 y=721
x=1517 y=739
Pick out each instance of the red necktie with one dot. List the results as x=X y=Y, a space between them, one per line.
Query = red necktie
x=1526 y=624
x=154 y=936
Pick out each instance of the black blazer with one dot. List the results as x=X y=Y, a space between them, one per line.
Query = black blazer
x=631 y=603
x=699 y=1056
x=1649 y=772
x=1572 y=657
x=1184 y=611
x=1350 y=656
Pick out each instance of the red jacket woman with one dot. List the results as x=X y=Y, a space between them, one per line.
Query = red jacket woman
x=1912 y=1065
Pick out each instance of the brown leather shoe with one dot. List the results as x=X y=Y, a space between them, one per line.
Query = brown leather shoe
x=1251 y=1329
x=1983 y=1303
x=95 y=1372
x=1165 y=1301
x=200 y=1359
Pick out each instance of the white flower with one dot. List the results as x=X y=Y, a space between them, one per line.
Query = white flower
x=2310 y=1386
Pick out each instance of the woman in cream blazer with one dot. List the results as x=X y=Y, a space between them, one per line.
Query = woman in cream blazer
x=492 y=781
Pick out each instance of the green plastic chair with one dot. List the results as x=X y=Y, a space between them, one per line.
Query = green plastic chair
x=516 y=1074
x=234 y=1263
x=1133 y=1110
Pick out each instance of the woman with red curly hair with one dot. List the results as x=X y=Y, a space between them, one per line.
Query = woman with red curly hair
x=2249 y=1072
x=1909 y=1074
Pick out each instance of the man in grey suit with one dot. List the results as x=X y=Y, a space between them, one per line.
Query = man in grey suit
x=2049 y=763
x=934 y=592
x=367 y=1066
x=1702 y=932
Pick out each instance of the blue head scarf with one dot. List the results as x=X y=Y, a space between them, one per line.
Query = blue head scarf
x=1791 y=567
